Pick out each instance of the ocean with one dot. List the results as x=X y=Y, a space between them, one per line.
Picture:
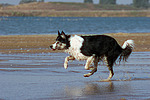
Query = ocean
x=73 y=25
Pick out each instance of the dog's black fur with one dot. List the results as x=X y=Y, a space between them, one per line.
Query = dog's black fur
x=101 y=45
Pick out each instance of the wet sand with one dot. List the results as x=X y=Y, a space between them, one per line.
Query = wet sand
x=42 y=77
x=29 y=70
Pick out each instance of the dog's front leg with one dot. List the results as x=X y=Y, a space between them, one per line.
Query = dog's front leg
x=87 y=65
x=66 y=61
x=94 y=69
x=89 y=62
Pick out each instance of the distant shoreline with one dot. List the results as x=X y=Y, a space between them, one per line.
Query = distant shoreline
x=102 y=13
x=41 y=43
x=61 y=9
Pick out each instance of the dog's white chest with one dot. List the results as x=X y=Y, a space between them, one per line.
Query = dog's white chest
x=76 y=54
x=74 y=49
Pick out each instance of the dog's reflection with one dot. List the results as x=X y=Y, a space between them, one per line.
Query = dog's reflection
x=90 y=89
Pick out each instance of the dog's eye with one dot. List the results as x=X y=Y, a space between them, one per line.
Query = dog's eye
x=58 y=42
x=61 y=40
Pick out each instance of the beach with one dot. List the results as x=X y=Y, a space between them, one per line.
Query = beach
x=29 y=70
x=41 y=43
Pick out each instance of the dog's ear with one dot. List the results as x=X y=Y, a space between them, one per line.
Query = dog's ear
x=58 y=33
x=63 y=35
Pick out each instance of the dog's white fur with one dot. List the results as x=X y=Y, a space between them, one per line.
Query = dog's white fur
x=74 y=49
x=128 y=43
x=75 y=52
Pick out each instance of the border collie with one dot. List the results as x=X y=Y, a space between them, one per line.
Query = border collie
x=93 y=48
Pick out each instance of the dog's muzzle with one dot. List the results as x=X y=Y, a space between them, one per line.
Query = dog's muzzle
x=51 y=47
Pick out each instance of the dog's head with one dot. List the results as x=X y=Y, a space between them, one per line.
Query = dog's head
x=62 y=42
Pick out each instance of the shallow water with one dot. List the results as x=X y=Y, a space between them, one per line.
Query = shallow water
x=42 y=77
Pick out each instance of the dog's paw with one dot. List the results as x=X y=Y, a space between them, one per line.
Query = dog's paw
x=65 y=65
x=89 y=68
x=87 y=75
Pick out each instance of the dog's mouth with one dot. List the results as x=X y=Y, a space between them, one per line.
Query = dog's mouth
x=56 y=48
x=51 y=47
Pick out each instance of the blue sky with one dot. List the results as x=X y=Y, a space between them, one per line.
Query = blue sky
x=15 y=2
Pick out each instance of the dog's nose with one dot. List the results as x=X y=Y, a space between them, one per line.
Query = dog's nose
x=51 y=46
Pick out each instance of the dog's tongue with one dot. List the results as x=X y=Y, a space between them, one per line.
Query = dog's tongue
x=53 y=49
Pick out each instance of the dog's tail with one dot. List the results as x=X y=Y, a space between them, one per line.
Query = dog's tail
x=127 y=49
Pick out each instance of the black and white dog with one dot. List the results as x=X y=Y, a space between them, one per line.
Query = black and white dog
x=93 y=48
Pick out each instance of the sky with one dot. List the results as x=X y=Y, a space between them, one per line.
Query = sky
x=16 y=2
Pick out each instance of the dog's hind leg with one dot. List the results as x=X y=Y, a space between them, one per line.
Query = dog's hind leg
x=94 y=69
x=66 y=61
x=110 y=67
x=110 y=62
x=111 y=73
